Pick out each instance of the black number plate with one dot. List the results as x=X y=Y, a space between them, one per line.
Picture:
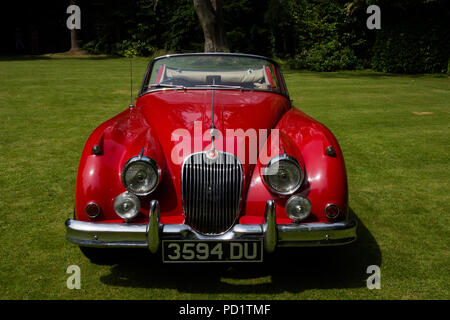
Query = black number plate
x=212 y=251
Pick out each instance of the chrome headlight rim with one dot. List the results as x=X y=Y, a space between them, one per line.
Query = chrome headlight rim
x=148 y=161
x=283 y=157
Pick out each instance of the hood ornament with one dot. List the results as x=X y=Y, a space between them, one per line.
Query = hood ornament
x=212 y=153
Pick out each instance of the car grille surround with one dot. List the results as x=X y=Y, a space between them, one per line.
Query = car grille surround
x=211 y=191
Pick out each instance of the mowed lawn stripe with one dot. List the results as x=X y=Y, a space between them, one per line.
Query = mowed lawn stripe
x=393 y=129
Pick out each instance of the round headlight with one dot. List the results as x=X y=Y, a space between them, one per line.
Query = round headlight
x=140 y=175
x=127 y=205
x=283 y=175
x=298 y=207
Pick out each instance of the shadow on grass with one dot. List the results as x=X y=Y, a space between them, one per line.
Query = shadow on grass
x=288 y=270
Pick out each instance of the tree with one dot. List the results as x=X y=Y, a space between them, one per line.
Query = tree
x=209 y=13
x=74 y=35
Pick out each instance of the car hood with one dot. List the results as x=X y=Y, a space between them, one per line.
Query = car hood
x=181 y=118
x=177 y=114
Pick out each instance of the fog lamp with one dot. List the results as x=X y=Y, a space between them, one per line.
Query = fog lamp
x=127 y=205
x=298 y=208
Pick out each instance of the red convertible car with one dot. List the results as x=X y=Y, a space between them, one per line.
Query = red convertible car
x=211 y=164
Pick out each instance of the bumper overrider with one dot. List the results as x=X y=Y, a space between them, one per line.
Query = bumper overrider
x=94 y=234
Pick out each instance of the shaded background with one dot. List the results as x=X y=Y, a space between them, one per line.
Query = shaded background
x=308 y=34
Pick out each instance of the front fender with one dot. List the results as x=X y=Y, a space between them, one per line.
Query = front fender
x=325 y=176
x=98 y=178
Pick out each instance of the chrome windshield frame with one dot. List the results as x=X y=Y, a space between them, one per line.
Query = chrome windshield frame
x=144 y=87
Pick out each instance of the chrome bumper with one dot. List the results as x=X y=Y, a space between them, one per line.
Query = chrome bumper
x=149 y=235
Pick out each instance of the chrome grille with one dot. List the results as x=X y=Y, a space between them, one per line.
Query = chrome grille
x=211 y=191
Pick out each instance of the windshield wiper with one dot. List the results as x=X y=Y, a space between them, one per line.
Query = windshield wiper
x=220 y=86
x=165 y=85
x=177 y=86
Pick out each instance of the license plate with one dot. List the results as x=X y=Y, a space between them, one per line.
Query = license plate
x=212 y=251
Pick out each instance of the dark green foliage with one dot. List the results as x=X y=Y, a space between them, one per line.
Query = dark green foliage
x=405 y=52
x=143 y=25
x=178 y=26
x=319 y=35
x=329 y=56
x=414 y=38
x=327 y=36
x=413 y=41
x=246 y=29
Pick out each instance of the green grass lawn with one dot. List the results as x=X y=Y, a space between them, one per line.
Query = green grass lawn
x=395 y=135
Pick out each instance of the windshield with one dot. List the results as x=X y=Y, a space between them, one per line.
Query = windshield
x=222 y=71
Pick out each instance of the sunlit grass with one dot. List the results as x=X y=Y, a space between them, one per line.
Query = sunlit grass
x=394 y=132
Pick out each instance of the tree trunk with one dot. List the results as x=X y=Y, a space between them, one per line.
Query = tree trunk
x=74 y=35
x=209 y=13
x=74 y=40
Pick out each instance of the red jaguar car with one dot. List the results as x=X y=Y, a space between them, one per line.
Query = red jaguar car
x=211 y=164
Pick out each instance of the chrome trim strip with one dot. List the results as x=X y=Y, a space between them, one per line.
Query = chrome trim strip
x=243 y=231
x=93 y=234
x=244 y=55
x=314 y=234
x=96 y=234
x=128 y=235
x=289 y=235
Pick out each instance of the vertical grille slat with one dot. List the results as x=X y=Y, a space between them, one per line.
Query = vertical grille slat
x=211 y=191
